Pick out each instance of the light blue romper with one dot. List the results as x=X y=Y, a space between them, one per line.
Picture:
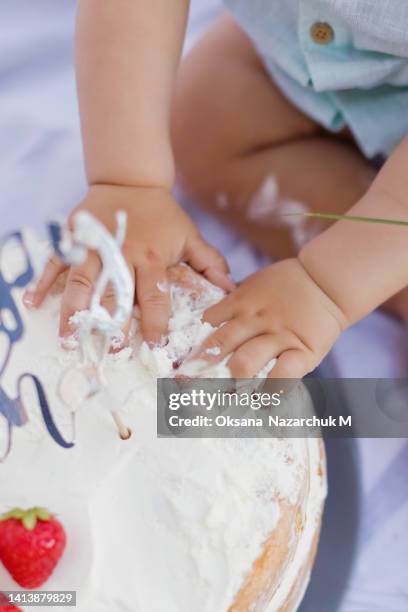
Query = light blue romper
x=342 y=62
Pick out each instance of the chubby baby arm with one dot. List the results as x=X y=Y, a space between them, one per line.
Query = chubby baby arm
x=127 y=56
x=294 y=310
x=360 y=265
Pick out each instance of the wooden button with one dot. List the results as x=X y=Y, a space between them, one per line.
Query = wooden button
x=322 y=33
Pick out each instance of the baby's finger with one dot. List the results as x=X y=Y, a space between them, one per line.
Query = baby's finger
x=221 y=312
x=154 y=300
x=224 y=341
x=293 y=363
x=253 y=356
x=209 y=262
x=78 y=291
x=54 y=267
x=109 y=301
x=220 y=279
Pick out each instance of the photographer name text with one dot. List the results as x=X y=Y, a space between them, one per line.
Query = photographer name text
x=272 y=421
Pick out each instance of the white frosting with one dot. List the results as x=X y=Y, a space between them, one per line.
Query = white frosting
x=175 y=524
x=268 y=206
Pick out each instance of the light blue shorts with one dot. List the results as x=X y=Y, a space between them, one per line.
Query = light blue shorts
x=378 y=118
x=358 y=79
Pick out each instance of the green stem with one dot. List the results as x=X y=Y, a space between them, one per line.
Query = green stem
x=334 y=217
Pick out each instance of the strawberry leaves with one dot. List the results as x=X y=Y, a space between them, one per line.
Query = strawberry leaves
x=28 y=517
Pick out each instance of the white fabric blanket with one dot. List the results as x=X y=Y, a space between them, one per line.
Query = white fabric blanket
x=41 y=172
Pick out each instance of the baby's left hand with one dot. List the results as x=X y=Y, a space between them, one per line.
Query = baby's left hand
x=277 y=312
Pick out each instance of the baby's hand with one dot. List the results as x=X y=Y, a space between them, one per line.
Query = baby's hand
x=278 y=312
x=159 y=235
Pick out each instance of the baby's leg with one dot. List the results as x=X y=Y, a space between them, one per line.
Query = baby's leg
x=232 y=129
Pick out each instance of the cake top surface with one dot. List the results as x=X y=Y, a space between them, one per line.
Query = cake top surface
x=189 y=514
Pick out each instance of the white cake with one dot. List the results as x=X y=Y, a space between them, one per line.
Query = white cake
x=160 y=525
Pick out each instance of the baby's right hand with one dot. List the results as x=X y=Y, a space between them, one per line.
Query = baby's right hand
x=160 y=234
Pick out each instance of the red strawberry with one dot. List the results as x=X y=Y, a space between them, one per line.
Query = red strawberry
x=5 y=606
x=31 y=544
